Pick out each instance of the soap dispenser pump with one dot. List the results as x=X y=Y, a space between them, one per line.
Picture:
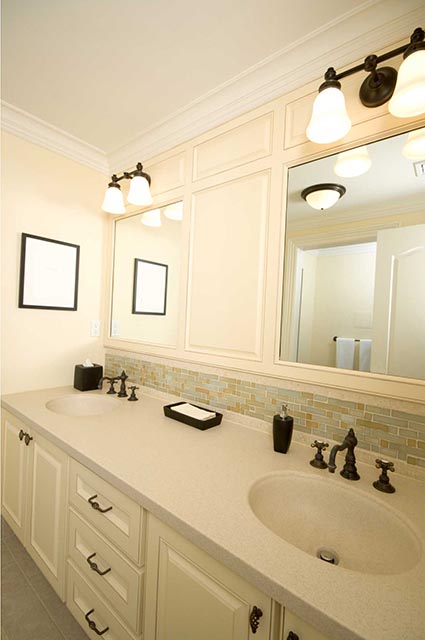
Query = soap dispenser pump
x=283 y=426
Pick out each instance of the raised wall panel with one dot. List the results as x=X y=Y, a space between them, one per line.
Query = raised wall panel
x=227 y=267
x=248 y=142
x=167 y=174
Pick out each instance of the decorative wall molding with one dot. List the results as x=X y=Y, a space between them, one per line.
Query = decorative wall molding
x=373 y=25
x=33 y=129
x=370 y=27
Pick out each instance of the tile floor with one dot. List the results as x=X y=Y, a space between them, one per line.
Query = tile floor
x=30 y=608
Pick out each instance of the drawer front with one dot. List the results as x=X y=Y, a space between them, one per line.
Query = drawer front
x=88 y=607
x=114 y=514
x=120 y=583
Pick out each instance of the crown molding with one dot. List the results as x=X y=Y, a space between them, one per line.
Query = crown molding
x=370 y=27
x=23 y=124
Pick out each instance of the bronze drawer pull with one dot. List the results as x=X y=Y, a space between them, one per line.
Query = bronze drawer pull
x=28 y=438
x=292 y=636
x=96 y=505
x=254 y=618
x=94 y=567
x=21 y=435
x=92 y=624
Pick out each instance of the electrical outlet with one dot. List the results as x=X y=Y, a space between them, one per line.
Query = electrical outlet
x=114 y=329
x=95 y=328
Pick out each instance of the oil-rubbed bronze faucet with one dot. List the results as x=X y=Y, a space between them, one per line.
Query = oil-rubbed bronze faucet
x=123 y=377
x=349 y=469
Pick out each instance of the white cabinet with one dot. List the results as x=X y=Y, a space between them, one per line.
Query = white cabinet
x=105 y=557
x=190 y=596
x=296 y=629
x=34 y=496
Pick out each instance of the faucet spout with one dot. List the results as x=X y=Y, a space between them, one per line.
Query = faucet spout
x=349 y=469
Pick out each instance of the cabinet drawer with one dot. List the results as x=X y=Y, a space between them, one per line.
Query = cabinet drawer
x=83 y=601
x=121 y=584
x=114 y=514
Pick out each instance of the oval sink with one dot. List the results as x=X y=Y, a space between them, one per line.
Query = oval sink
x=316 y=514
x=87 y=405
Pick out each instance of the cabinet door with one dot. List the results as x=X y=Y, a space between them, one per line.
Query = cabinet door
x=196 y=597
x=14 y=474
x=47 y=471
x=299 y=629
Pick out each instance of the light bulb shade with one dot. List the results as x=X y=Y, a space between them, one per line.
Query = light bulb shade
x=174 y=211
x=329 y=120
x=113 y=201
x=409 y=96
x=323 y=196
x=352 y=163
x=152 y=218
x=139 y=193
x=414 y=149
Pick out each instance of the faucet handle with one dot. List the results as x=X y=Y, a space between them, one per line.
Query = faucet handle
x=318 y=461
x=385 y=465
x=383 y=483
x=111 y=389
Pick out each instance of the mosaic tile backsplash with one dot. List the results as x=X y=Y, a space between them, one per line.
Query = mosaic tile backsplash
x=386 y=431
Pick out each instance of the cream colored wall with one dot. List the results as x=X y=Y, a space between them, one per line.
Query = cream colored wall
x=48 y=195
x=263 y=142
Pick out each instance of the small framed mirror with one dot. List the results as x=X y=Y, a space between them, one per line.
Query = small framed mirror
x=354 y=277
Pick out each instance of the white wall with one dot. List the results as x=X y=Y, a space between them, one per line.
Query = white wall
x=48 y=195
x=343 y=302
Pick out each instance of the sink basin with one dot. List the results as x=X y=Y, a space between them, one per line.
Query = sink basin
x=82 y=405
x=317 y=515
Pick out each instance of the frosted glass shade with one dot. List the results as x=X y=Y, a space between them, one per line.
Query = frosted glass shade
x=174 y=211
x=139 y=192
x=409 y=95
x=414 y=149
x=324 y=199
x=113 y=201
x=329 y=120
x=152 y=218
x=352 y=163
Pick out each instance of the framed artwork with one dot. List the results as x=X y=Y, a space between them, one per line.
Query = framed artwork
x=49 y=274
x=150 y=287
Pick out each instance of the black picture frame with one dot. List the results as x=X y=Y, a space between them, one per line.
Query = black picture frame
x=49 y=273
x=150 y=288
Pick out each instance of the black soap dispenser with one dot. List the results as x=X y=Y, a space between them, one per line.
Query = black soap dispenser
x=283 y=426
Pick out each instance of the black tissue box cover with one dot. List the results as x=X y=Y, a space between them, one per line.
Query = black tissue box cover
x=87 y=378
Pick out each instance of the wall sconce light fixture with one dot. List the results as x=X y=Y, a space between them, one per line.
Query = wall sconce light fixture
x=330 y=121
x=414 y=149
x=139 y=193
x=323 y=196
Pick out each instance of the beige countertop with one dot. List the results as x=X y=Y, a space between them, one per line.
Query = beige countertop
x=198 y=482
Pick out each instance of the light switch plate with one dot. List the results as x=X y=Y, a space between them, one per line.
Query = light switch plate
x=95 y=328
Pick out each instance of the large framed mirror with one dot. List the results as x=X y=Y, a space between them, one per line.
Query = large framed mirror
x=146 y=276
x=354 y=276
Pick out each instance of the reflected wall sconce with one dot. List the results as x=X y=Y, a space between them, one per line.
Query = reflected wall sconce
x=353 y=163
x=139 y=193
x=414 y=149
x=405 y=91
x=152 y=218
x=323 y=196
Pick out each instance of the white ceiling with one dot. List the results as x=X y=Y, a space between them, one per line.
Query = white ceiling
x=104 y=71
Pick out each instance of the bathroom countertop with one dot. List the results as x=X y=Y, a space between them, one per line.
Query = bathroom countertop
x=198 y=482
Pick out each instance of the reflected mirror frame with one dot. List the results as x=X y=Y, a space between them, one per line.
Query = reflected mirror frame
x=284 y=282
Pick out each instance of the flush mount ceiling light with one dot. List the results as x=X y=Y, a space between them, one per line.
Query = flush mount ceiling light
x=139 y=193
x=353 y=163
x=330 y=121
x=414 y=149
x=323 y=196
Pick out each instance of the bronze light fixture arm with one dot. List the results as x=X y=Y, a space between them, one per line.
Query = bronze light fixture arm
x=379 y=86
x=127 y=175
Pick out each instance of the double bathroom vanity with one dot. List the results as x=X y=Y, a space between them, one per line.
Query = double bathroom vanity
x=149 y=528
